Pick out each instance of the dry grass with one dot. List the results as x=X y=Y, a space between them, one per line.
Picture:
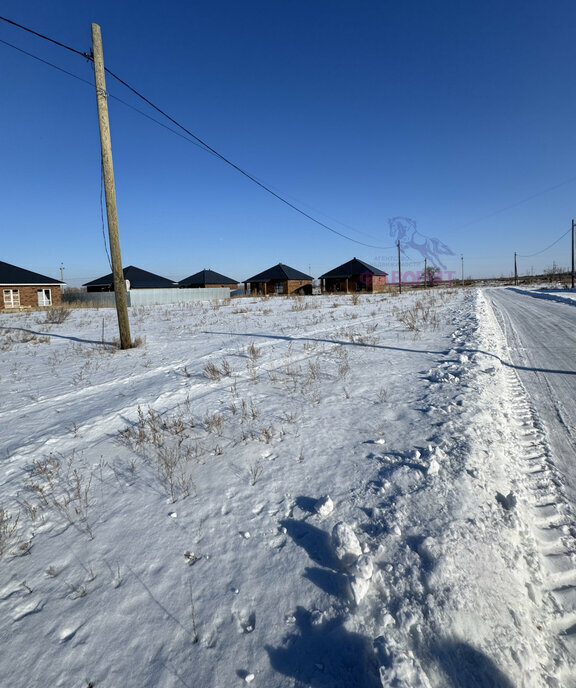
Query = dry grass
x=8 y=527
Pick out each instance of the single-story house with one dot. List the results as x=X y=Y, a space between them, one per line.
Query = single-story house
x=25 y=289
x=135 y=278
x=353 y=276
x=206 y=279
x=280 y=279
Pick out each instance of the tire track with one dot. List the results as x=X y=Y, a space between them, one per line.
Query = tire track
x=548 y=512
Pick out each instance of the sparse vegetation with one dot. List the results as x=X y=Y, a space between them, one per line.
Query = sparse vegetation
x=57 y=315
x=8 y=527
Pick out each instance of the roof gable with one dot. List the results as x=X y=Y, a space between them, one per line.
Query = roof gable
x=279 y=272
x=138 y=278
x=353 y=267
x=206 y=277
x=12 y=274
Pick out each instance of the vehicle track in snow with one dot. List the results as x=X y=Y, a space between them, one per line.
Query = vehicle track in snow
x=541 y=430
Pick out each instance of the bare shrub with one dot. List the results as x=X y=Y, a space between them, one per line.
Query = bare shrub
x=56 y=316
x=255 y=472
x=254 y=352
x=8 y=527
x=313 y=370
x=343 y=369
x=172 y=471
x=61 y=484
x=212 y=372
x=213 y=422
x=419 y=316
x=267 y=433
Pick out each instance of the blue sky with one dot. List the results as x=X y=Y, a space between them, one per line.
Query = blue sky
x=459 y=115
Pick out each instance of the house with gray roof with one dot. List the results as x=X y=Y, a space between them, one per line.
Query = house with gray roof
x=135 y=278
x=279 y=279
x=23 y=288
x=354 y=276
x=206 y=279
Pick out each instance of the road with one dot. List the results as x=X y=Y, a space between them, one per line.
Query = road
x=541 y=335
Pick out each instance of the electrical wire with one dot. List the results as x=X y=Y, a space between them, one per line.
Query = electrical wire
x=239 y=169
x=548 y=189
x=202 y=144
x=46 y=38
x=531 y=255
x=102 y=212
x=110 y=95
x=50 y=64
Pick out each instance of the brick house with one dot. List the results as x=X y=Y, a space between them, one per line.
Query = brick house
x=206 y=279
x=280 y=279
x=135 y=278
x=25 y=289
x=354 y=276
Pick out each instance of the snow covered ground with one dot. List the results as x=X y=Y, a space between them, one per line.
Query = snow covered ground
x=316 y=491
x=551 y=294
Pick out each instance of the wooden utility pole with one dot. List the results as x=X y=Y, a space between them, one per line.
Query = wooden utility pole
x=572 y=254
x=515 y=270
x=108 y=171
x=399 y=270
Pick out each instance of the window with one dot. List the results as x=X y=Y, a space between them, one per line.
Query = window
x=279 y=287
x=44 y=297
x=11 y=298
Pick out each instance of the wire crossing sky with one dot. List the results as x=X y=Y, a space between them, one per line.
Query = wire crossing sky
x=193 y=138
x=455 y=117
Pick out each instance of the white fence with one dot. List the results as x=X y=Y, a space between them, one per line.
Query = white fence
x=148 y=297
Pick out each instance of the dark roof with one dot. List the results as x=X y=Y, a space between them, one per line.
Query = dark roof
x=353 y=267
x=206 y=277
x=11 y=274
x=139 y=279
x=279 y=272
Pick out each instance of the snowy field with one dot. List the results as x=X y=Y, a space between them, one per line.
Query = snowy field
x=318 y=491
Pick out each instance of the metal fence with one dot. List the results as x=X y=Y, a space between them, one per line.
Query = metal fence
x=148 y=297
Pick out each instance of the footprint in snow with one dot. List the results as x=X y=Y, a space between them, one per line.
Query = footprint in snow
x=246 y=621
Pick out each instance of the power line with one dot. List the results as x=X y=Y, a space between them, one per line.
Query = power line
x=239 y=169
x=46 y=38
x=204 y=146
x=197 y=139
x=110 y=95
x=50 y=64
x=517 y=203
x=531 y=255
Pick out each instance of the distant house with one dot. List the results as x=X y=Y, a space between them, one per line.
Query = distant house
x=206 y=279
x=354 y=276
x=25 y=289
x=135 y=278
x=280 y=279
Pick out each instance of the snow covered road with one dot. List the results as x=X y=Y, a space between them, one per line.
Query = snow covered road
x=541 y=334
x=535 y=339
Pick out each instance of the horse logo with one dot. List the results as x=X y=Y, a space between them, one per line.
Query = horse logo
x=431 y=248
